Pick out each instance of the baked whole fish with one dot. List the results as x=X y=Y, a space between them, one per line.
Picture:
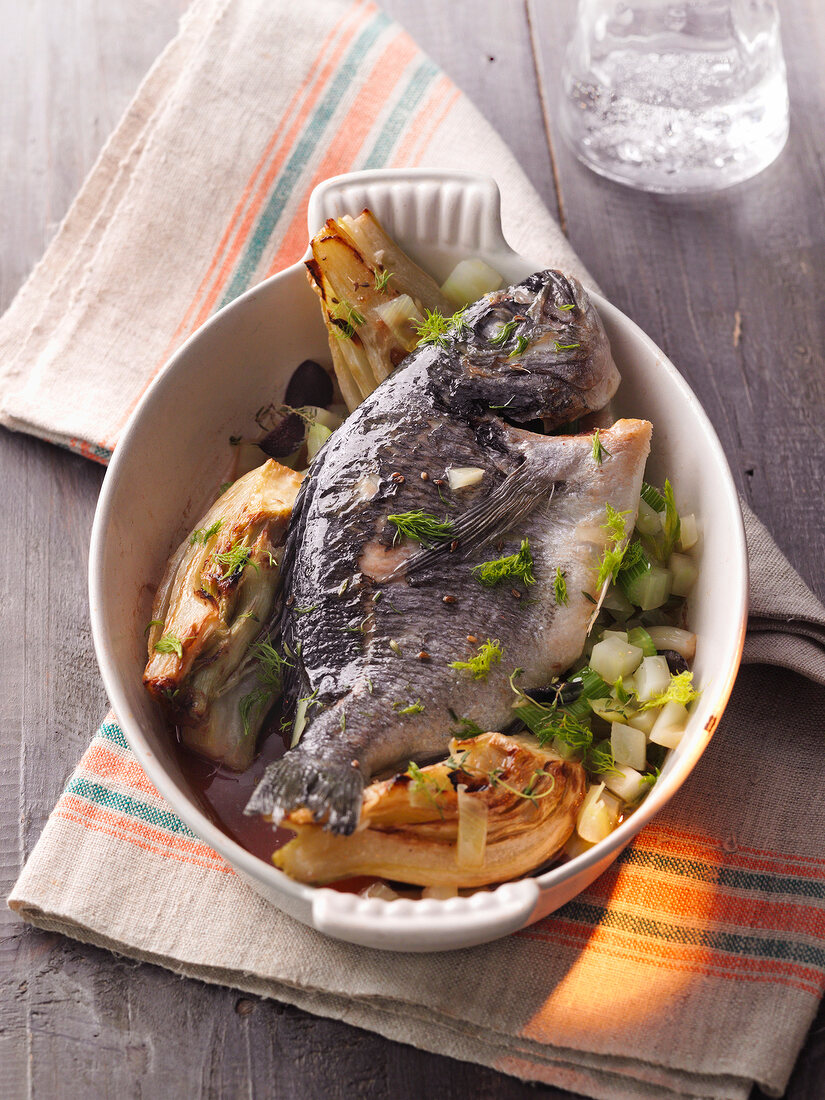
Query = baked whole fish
x=374 y=621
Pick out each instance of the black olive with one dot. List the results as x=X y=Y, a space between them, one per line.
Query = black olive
x=563 y=694
x=285 y=438
x=675 y=661
x=310 y=384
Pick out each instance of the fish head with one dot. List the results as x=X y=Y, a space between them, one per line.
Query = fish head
x=536 y=350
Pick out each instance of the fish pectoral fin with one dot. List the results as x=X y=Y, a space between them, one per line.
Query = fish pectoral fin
x=330 y=791
x=531 y=484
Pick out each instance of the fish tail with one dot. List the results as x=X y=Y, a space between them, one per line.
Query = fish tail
x=330 y=791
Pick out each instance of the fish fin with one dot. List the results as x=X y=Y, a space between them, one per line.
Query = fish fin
x=330 y=791
x=515 y=497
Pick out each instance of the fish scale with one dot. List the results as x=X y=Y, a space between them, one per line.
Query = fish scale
x=380 y=601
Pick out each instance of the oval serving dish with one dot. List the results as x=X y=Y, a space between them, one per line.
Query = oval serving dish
x=174 y=450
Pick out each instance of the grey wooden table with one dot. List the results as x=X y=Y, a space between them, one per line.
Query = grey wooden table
x=731 y=287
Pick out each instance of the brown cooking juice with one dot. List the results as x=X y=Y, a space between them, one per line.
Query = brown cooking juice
x=222 y=794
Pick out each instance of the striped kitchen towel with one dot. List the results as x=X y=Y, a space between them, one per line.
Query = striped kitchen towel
x=694 y=966
x=202 y=191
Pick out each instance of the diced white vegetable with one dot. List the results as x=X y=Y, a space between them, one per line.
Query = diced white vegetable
x=689 y=531
x=441 y=893
x=379 y=890
x=614 y=634
x=645 y=720
x=651 y=589
x=595 y=820
x=613 y=804
x=670 y=725
x=463 y=477
x=328 y=417
x=471 y=845
x=565 y=751
x=613 y=658
x=647 y=520
x=317 y=435
x=575 y=846
x=617 y=603
x=629 y=745
x=402 y=317
x=684 y=574
x=469 y=280
x=652 y=678
x=607 y=709
x=672 y=637
x=629 y=684
x=626 y=782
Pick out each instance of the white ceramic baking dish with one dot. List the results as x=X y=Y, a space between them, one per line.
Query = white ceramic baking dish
x=174 y=451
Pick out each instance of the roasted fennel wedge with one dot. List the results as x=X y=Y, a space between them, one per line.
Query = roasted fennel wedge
x=498 y=807
x=373 y=298
x=209 y=642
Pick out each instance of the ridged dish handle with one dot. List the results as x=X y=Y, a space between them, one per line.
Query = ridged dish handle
x=425 y=925
x=458 y=210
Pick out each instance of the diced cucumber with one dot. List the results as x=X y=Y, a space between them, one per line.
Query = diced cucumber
x=684 y=574
x=645 y=720
x=626 y=782
x=469 y=280
x=689 y=533
x=647 y=520
x=613 y=658
x=402 y=317
x=670 y=725
x=595 y=820
x=651 y=589
x=652 y=678
x=617 y=603
x=640 y=637
x=317 y=435
x=607 y=709
x=629 y=745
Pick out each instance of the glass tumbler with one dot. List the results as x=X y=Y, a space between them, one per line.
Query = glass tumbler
x=672 y=96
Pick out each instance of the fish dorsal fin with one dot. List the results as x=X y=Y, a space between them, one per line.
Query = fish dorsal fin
x=529 y=485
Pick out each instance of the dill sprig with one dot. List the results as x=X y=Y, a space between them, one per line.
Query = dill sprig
x=560 y=586
x=169 y=644
x=409 y=708
x=518 y=566
x=679 y=690
x=568 y=307
x=599 y=449
x=489 y=654
x=465 y=728
x=504 y=333
x=421 y=526
x=202 y=535
x=434 y=329
x=598 y=759
x=234 y=560
x=345 y=320
x=616 y=545
x=522 y=343
x=569 y=731
x=565 y=347
x=151 y=623
x=382 y=280
x=271 y=665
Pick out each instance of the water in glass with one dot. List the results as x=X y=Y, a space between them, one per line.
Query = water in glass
x=676 y=97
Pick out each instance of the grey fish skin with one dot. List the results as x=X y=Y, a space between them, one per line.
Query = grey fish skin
x=373 y=626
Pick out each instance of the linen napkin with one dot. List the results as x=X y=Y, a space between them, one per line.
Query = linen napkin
x=694 y=966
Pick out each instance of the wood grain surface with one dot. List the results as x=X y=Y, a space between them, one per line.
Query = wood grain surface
x=731 y=287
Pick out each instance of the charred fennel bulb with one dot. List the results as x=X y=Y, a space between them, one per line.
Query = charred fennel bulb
x=212 y=608
x=410 y=824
